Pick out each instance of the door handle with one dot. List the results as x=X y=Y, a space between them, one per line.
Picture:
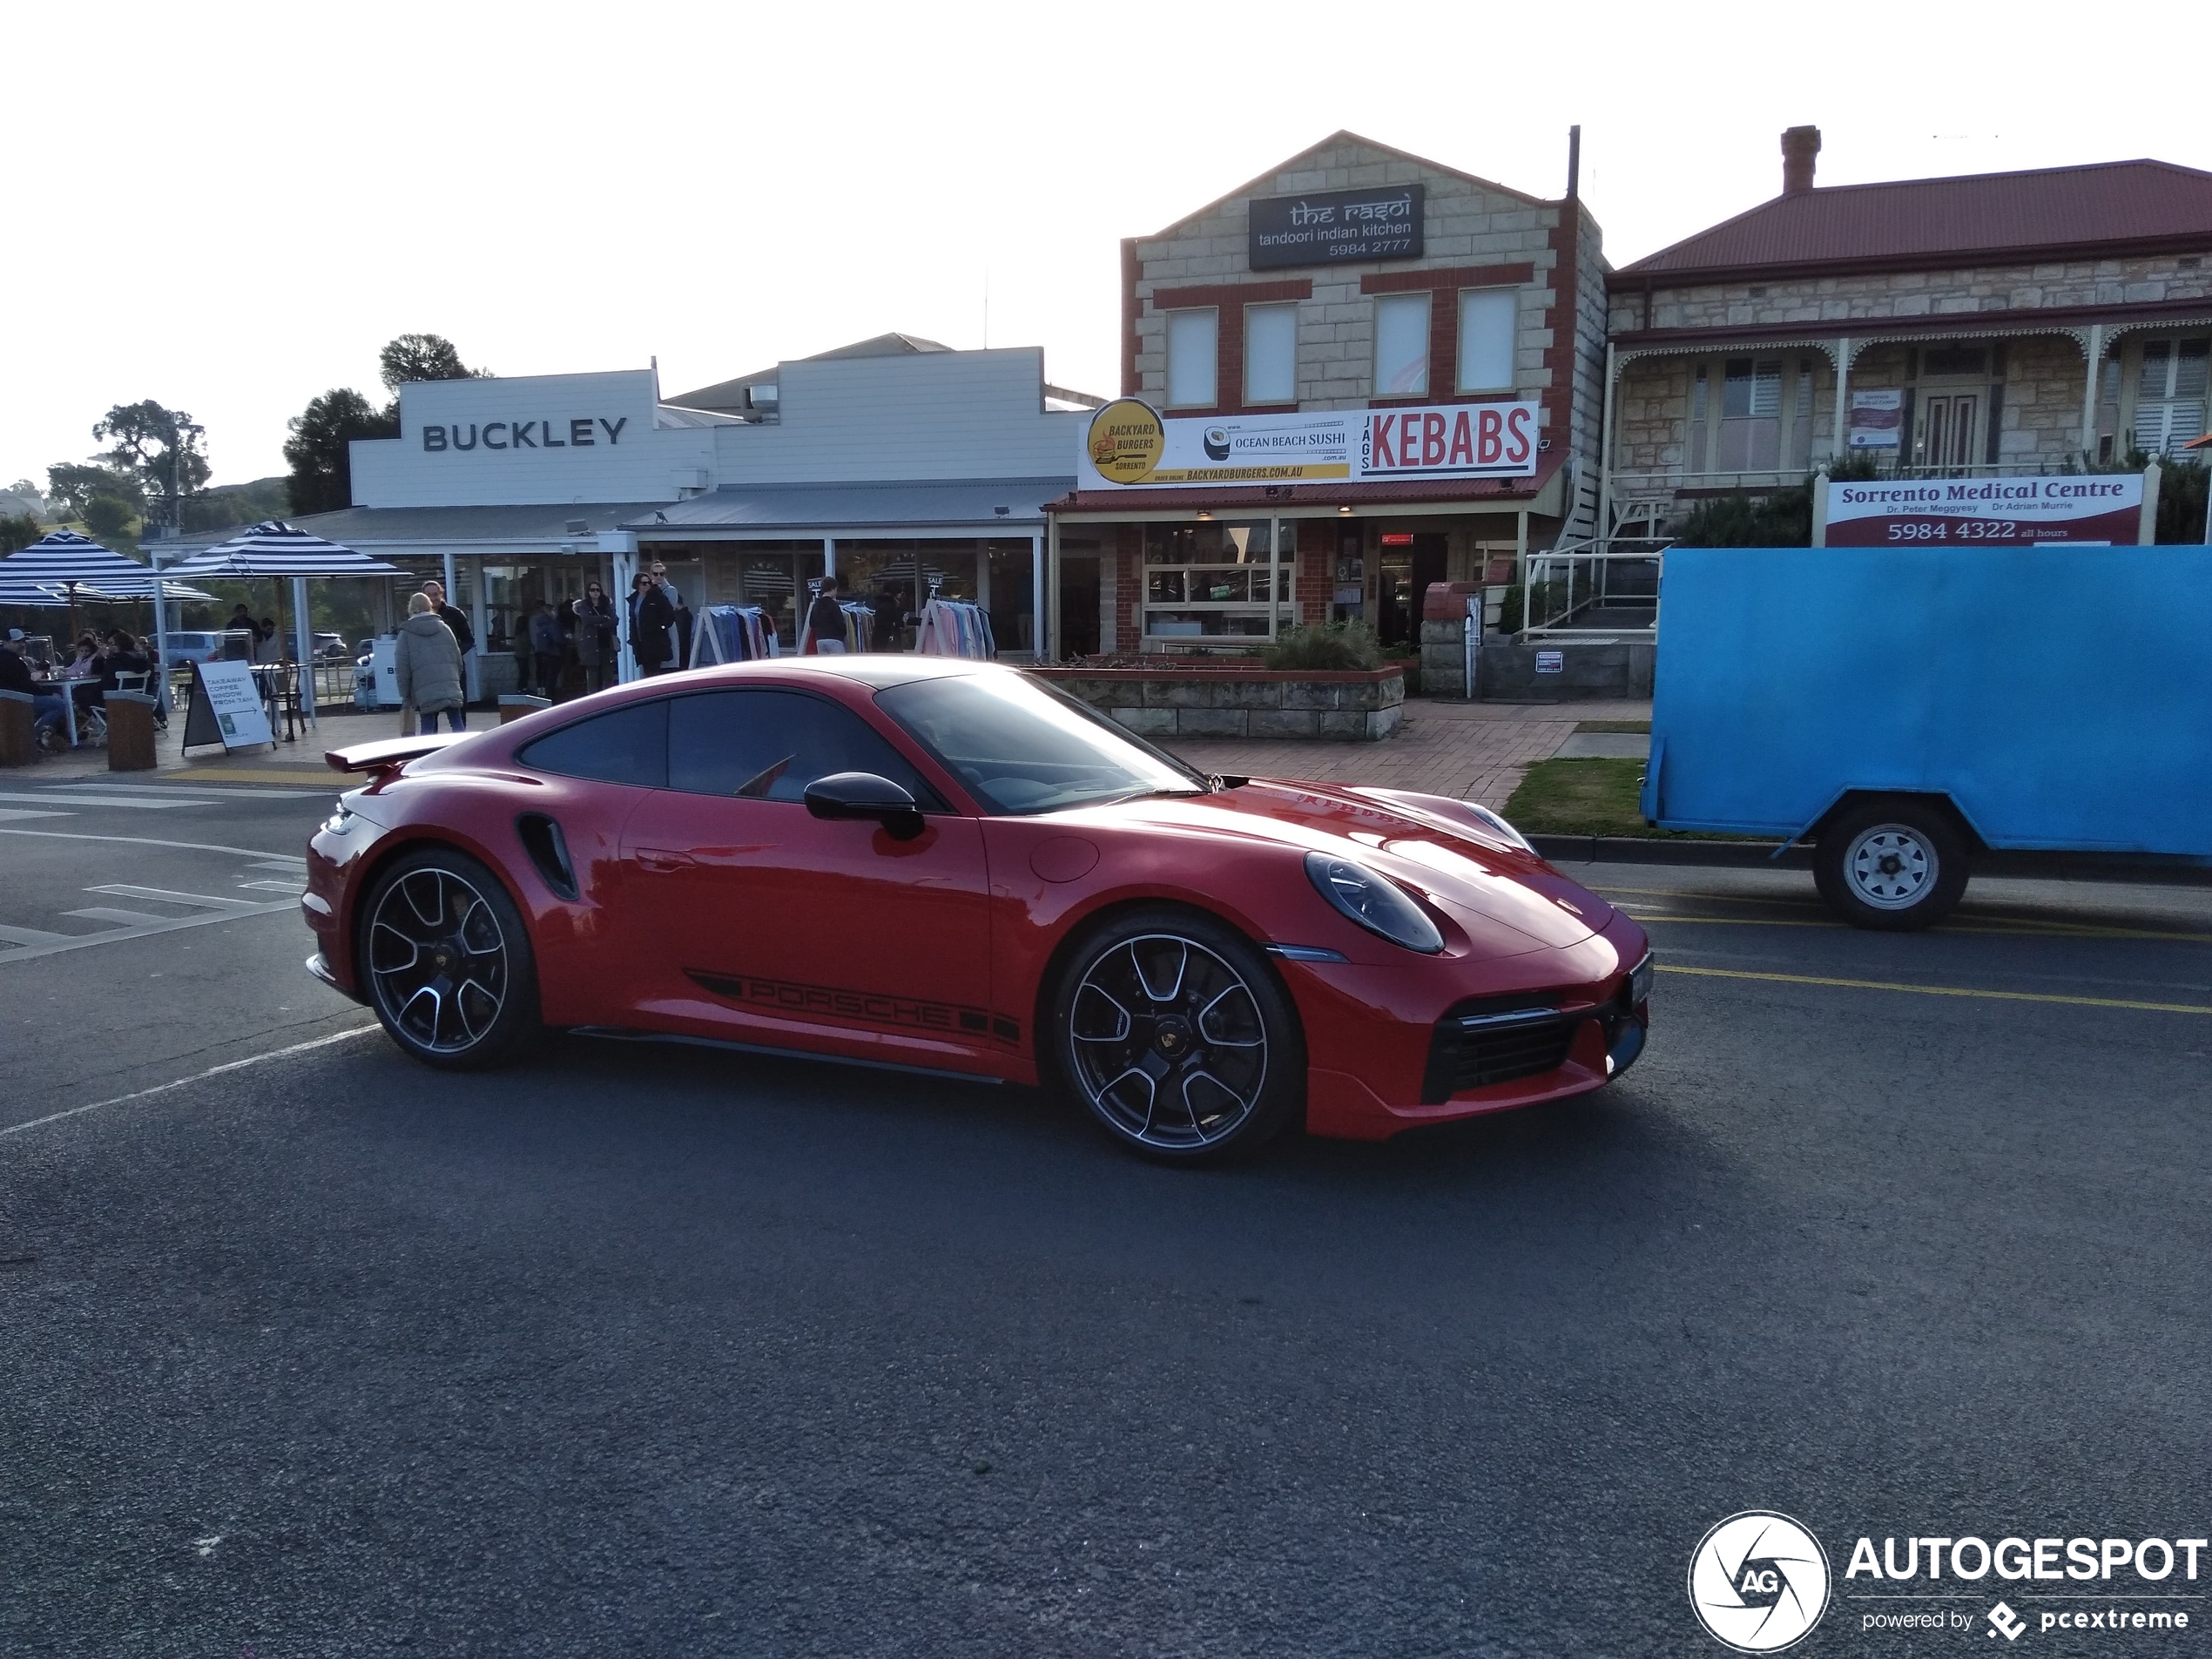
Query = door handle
x=661 y=861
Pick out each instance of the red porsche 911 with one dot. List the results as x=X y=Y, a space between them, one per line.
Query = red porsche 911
x=937 y=864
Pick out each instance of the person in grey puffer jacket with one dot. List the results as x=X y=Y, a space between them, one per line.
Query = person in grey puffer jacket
x=428 y=662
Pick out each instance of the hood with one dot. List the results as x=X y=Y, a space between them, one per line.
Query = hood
x=1437 y=846
x=426 y=624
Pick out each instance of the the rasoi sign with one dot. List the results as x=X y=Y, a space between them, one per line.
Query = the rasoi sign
x=1127 y=442
x=2104 y=510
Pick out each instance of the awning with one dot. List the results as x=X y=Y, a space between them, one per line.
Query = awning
x=965 y=506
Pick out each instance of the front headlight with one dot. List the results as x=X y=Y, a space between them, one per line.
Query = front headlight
x=1375 y=902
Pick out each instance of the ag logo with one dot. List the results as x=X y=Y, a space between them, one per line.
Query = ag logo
x=1758 y=1582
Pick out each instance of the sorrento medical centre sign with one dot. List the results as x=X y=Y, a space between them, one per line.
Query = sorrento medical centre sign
x=2103 y=510
x=1128 y=442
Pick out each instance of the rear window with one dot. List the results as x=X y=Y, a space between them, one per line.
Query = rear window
x=624 y=746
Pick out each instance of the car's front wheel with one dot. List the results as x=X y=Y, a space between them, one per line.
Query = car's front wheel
x=1169 y=1027
x=447 y=962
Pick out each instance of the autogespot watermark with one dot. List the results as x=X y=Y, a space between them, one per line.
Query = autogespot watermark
x=1759 y=1581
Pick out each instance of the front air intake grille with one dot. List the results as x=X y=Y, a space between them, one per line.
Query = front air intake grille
x=1477 y=1046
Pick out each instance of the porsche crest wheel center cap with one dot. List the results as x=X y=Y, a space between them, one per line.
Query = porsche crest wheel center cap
x=1172 y=1039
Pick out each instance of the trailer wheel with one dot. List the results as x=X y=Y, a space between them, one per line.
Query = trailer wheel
x=1891 y=865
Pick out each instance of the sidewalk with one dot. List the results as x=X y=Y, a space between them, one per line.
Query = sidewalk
x=1468 y=751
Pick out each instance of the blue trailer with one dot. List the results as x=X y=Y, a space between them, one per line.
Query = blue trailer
x=1914 y=712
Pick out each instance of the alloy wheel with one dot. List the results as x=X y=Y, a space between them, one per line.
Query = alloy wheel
x=1168 y=1042
x=437 y=958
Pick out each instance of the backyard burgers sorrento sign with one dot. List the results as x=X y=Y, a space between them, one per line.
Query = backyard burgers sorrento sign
x=1131 y=442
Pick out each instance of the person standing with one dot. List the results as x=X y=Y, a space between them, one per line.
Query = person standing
x=826 y=621
x=595 y=637
x=545 y=651
x=651 y=620
x=428 y=663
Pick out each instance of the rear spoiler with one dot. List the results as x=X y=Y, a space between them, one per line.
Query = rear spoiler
x=389 y=754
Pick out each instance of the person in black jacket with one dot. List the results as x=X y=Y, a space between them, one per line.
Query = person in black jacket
x=826 y=621
x=650 y=623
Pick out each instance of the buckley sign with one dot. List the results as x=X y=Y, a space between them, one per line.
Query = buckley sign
x=1331 y=227
x=577 y=433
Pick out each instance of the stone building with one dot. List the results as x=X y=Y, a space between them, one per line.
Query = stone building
x=2002 y=323
x=1247 y=307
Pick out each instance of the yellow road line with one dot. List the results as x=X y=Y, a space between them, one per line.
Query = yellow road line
x=1935 y=990
x=1992 y=927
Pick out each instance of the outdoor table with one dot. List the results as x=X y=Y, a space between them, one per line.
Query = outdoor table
x=67 y=691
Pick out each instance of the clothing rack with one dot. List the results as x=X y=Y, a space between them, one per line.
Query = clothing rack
x=732 y=634
x=956 y=628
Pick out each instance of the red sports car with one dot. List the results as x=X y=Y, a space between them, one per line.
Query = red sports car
x=943 y=865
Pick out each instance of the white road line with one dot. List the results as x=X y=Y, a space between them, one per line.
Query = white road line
x=292 y=887
x=120 y=918
x=8 y=815
x=221 y=792
x=33 y=936
x=282 y=866
x=124 y=890
x=143 y=840
x=212 y=1071
x=165 y=925
x=49 y=797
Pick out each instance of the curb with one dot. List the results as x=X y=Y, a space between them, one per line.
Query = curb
x=1631 y=849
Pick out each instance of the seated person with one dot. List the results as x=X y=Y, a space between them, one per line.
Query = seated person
x=82 y=660
x=15 y=676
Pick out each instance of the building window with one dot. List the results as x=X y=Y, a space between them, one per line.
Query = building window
x=1270 y=353
x=2169 y=394
x=1401 y=345
x=1751 y=435
x=1208 y=583
x=1191 y=339
x=1487 y=318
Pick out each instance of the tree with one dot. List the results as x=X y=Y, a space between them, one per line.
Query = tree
x=18 y=529
x=323 y=474
x=424 y=357
x=107 y=518
x=74 y=486
x=163 y=448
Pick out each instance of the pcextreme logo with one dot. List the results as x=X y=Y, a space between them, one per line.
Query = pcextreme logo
x=1758 y=1582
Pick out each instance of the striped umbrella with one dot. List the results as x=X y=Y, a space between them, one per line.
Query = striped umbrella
x=63 y=559
x=275 y=548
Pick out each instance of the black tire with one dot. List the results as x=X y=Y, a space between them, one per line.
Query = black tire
x=1173 y=1031
x=1893 y=865
x=464 y=995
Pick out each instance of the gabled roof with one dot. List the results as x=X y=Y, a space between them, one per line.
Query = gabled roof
x=1343 y=135
x=731 y=394
x=1912 y=223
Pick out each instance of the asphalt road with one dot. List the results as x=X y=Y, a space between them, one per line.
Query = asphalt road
x=656 y=1351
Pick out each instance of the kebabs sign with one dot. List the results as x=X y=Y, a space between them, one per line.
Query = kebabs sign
x=1128 y=442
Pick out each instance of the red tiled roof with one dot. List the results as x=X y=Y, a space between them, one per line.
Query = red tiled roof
x=1910 y=222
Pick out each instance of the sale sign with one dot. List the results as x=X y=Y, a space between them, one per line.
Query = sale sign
x=1130 y=442
x=2101 y=509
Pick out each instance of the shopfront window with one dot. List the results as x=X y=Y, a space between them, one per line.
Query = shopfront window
x=1210 y=582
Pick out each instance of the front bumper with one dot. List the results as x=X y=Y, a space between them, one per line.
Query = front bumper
x=1383 y=1059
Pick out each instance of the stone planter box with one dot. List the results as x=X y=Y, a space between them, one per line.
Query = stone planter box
x=1230 y=700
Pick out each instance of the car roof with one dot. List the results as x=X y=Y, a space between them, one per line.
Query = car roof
x=875 y=669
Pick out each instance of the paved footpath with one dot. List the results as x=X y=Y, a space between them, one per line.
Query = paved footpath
x=1468 y=751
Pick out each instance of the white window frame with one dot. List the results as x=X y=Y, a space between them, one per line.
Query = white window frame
x=1468 y=382
x=1182 y=320
x=1273 y=313
x=1403 y=305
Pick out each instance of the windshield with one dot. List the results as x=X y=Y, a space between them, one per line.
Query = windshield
x=1021 y=747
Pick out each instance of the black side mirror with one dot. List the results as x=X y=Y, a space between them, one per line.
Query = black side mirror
x=862 y=794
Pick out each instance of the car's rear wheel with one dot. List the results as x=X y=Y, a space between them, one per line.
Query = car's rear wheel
x=447 y=962
x=1893 y=865
x=1168 y=1025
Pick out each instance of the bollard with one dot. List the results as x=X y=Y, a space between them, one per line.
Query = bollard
x=129 y=731
x=513 y=705
x=15 y=747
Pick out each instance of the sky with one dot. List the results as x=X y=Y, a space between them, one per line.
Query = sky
x=229 y=208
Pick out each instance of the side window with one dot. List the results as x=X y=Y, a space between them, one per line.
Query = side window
x=626 y=745
x=769 y=746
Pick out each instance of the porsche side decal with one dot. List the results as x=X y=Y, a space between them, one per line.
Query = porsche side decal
x=866 y=1006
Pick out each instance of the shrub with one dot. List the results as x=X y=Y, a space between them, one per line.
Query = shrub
x=1333 y=646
